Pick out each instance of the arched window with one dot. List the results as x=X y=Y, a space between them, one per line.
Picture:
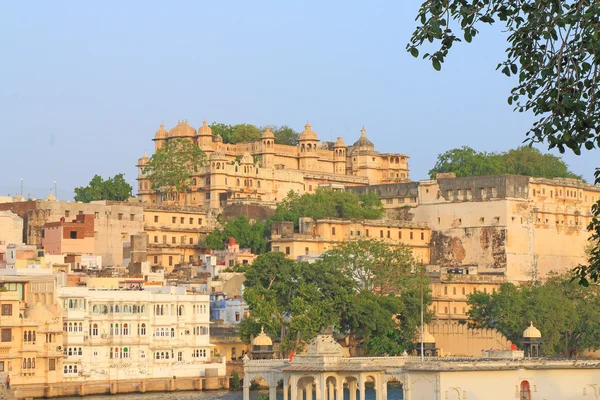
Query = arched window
x=117 y=309
x=80 y=352
x=194 y=181
x=258 y=184
x=453 y=290
x=95 y=330
x=25 y=363
x=125 y=329
x=172 y=332
x=29 y=363
x=237 y=182
x=143 y=330
x=525 y=393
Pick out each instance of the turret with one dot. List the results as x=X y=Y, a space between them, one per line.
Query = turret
x=308 y=142
x=267 y=141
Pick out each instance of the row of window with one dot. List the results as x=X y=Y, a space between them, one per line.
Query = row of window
x=29 y=336
x=401 y=200
x=559 y=193
x=73 y=351
x=73 y=327
x=117 y=309
x=183 y=240
x=181 y=220
x=464 y=291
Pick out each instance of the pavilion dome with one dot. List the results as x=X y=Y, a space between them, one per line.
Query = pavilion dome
x=363 y=142
x=262 y=339
x=50 y=197
x=247 y=159
x=324 y=345
x=161 y=133
x=339 y=142
x=427 y=337
x=308 y=133
x=205 y=130
x=532 y=332
x=144 y=159
x=267 y=134
x=182 y=129
x=217 y=138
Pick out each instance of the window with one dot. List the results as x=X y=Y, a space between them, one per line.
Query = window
x=191 y=240
x=67 y=213
x=1 y=366
x=170 y=260
x=6 y=335
x=380 y=234
x=182 y=220
x=306 y=250
x=399 y=234
x=156 y=218
x=180 y=356
x=191 y=221
x=173 y=220
x=367 y=233
x=143 y=330
x=199 y=221
x=73 y=234
x=155 y=239
x=287 y=250
x=132 y=217
x=95 y=330
x=173 y=240
x=6 y=309
x=333 y=231
x=207 y=196
x=422 y=235
x=445 y=289
x=411 y=236
x=155 y=259
x=96 y=215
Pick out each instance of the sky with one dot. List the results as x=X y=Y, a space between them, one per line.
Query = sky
x=85 y=85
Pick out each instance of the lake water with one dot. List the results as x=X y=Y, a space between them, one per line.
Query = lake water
x=394 y=393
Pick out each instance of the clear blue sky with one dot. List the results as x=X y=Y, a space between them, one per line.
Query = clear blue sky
x=84 y=85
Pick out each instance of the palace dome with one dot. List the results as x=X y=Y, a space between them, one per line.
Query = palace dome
x=532 y=332
x=217 y=155
x=324 y=345
x=182 y=129
x=144 y=159
x=50 y=197
x=247 y=159
x=204 y=130
x=267 y=134
x=161 y=133
x=308 y=133
x=262 y=339
x=339 y=142
x=427 y=337
x=217 y=138
x=363 y=142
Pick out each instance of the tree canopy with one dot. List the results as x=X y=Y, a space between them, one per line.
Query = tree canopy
x=553 y=51
x=567 y=314
x=248 y=235
x=240 y=133
x=115 y=189
x=523 y=160
x=327 y=203
x=171 y=167
x=295 y=301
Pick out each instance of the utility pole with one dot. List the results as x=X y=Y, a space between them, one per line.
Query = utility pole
x=21 y=187
x=422 y=329
x=55 y=191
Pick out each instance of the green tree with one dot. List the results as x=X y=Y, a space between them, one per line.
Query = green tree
x=523 y=160
x=284 y=134
x=171 y=167
x=328 y=204
x=385 y=312
x=553 y=50
x=245 y=133
x=248 y=235
x=114 y=189
x=224 y=130
x=567 y=314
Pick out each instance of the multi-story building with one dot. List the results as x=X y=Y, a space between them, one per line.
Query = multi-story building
x=317 y=237
x=74 y=237
x=266 y=172
x=232 y=255
x=30 y=328
x=174 y=234
x=114 y=222
x=157 y=332
x=492 y=229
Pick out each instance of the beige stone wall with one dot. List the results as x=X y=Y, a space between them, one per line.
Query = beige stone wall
x=11 y=228
x=459 y=340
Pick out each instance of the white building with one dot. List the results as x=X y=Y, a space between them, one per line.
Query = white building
x=125 y=334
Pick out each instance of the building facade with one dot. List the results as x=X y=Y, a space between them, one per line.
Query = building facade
x=131 y=334
x=74 y=237
x=317 y=237
x=114 y=222
x=266 y=171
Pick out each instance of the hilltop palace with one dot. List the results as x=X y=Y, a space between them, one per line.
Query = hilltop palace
x=266 y=171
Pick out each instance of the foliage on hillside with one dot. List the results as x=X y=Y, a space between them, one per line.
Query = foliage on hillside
x=567 y=314
x=248 y=235
x=329 y=204
x=295 y=301
x=250 y=133
x=115 y=189
x=523 y=160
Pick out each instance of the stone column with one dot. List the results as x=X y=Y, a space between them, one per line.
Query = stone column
x=294 y=389
x=286 y=387
x=272 y=392
x=383 y=390
x=361 y=388
x=330 y=391
x=309 y=391
x=319 y=390
x=339 y=389
x=352 y=389
x=246 y=388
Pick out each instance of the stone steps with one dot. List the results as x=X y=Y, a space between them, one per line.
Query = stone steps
x=7 y=394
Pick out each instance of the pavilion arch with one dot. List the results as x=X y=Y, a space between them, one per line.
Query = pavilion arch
x=453 y=393
x=590 y=392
